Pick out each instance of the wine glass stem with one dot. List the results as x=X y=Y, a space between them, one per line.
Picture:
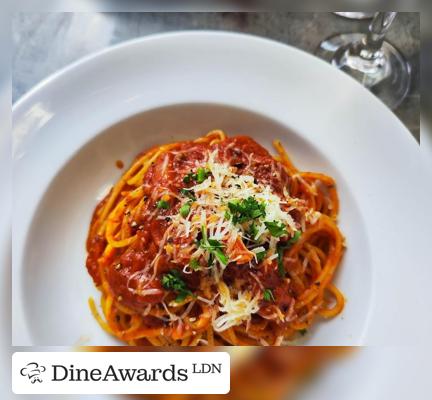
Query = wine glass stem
x=374 y=39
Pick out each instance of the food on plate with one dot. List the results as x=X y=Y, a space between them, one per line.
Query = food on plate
x=214 y=241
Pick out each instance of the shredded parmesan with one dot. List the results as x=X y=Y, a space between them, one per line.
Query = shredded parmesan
x=210 y=207
x=234 y=312
x=209 y=210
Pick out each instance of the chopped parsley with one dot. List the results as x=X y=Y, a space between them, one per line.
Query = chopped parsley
x=173 y=281
x=214 y=247
x=185 y=209
x=189 y=177
x=163 y=204
x=201 y=175
x=276 y=228
x=181 y=296
x=210 y=260
x=280 y=248
x=194 y=264
x=188 y=193
x=295 y=238
x=261 y=255
x=268 y=295
x=303 y=332
x=253 y=231
x=245 y=210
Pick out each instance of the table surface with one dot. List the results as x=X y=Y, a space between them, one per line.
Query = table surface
x=46 y=42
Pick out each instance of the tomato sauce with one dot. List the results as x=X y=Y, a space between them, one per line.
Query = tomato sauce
x=166 y=174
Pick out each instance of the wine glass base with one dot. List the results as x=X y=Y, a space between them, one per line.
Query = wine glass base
x=355 y=15
x=388 y=76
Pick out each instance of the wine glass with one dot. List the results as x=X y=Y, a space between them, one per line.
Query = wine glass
x=371 y=60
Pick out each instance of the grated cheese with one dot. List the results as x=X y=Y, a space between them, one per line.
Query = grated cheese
x=208 y=210
x=234 y=312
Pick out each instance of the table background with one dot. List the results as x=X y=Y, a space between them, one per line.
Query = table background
x=46 y=42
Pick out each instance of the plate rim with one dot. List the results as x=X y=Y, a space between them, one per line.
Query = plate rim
x=51 y=79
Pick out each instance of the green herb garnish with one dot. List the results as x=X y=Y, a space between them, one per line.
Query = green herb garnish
x=268 y=295
x=210 y=260
x=214 y=247
x=173 y=281
x=246 y=210
x=188 y=193
x=202 y=174
x=181 y=296
x=185 y=209
x=188 y=178
x=253 y=231
x=303 y=332
x=163 y=204
x=194 y=264
x=260 y=256
x=281 y=247
x=221 y=256
x=276 y=228
x=295 y=238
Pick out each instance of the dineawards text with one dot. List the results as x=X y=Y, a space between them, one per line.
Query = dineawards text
x=113 y=374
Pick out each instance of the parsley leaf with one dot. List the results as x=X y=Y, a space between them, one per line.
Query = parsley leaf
x=173 y=281
x=203 y=234
x=252 y=232
x=162 y=204
x=221 y=256
x=188 y=178
x=214 y=247
x=295 y=238
x=188 y=193
x=276 y=228
x=246 y=210
x=303 y=332
x=185 y=209
x=261 y=255
x=194 y=264
x=268 y=295
x=181 y=296
x=210 y=260
x=281 y=247
x=202 y=174
x=214 y=243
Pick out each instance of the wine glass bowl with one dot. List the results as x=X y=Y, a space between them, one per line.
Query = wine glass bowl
x=371 y=60
x=355 y=15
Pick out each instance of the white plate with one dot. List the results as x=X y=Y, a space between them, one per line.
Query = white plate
x=70 y=130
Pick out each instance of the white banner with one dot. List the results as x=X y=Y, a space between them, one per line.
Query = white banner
x=120 y=373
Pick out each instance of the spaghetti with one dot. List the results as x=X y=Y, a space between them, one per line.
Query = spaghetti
x=214 y=242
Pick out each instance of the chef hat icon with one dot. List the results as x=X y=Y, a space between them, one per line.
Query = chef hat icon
x=33 y=370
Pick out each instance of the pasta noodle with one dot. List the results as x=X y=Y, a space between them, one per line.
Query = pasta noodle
x=214 y=241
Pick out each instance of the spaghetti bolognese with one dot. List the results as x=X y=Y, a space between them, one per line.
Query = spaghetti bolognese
x=214 y=242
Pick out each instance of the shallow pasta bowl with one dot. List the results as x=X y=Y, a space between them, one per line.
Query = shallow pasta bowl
x=71 y=129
